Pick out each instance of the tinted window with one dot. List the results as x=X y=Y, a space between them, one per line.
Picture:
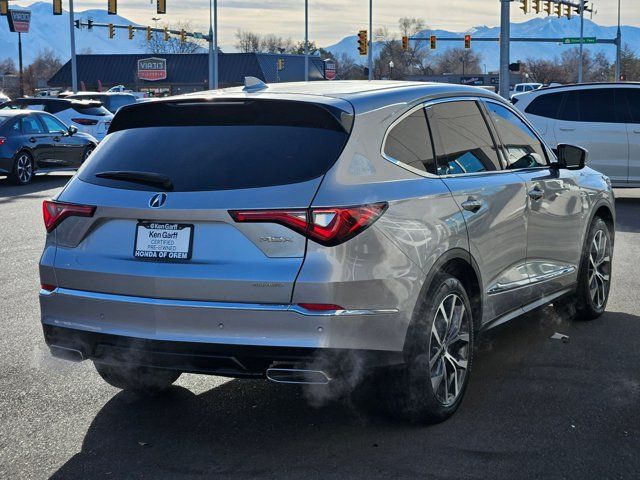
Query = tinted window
x=230 y=145
x=633 y=102
x=409 y=142
x=462 y=139
x=98 y=111
x=592 y=105
x=521 y=147
x=53 y=124
x=547 y=105
x=30 y=125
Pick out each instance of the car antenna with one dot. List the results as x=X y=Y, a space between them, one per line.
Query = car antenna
x=253 y=84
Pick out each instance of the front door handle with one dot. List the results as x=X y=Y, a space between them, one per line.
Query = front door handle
x=536 y=193
x=33 y=140
x=56 y=139
x=565 y=129
x=472 y=205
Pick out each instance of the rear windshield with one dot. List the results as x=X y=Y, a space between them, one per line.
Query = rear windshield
x=98 y=111
x=222 y=145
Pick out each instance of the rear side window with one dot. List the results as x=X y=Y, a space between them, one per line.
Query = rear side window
x=547 y=105
x=521 y=146
x=409 y=143
x=31 y=126
x=220 y=145
x=595 y=105
x=633 y=101
x=462 y=139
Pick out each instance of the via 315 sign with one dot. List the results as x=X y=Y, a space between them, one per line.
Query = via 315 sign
x=152 y=69
x=19 y=20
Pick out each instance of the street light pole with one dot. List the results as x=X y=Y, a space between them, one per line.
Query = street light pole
x=74 y=66
x=213 y=44
x=619 y=48
x=580 y=66
x=370 y=60
x=306 y=40
x=505 y=40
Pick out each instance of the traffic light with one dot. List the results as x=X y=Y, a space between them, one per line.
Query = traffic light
x=149 y=34
x=162 y=7
x=467 y=41
x=433 y=40
x=537 y=6
x=4 y=7
x=112 y=7
x=558 y=9
x=568 y=13
x=77 y=23
x=131 y=32
x=405 y=43
x=548 y=7
x=166 y=34
x=183 y=36
x=525 y=6
x=362 y=42
x=280 y=64
x=112 y=30
x=57 y=7
x=89 y=24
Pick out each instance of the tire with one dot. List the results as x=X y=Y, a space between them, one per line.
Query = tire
x=594 y=276
x=430 y=387
x=87 y=152
x=23 y=169
x=141 y=380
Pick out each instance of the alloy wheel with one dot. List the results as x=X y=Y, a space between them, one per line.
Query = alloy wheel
x=599 y=269
x=24 y=168
x=449 y=349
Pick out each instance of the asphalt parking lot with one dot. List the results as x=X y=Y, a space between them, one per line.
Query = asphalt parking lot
x=535 y=408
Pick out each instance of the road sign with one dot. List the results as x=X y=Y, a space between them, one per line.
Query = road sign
x=19 y=20
x=329 y=69
x=576 y=40
x=199 y=35
x=152 y=69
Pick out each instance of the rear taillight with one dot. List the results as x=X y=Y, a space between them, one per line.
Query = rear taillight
x=327 y=226
x=55 y=212
x=47 y=287
x=321 y=307
x=2 y=140
x=84 y=121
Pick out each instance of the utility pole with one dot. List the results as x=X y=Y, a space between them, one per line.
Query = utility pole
x=213 y=44
x=306 y=40
x=20 y=64
x=581 y=65
x=370 y=40
x=618 y=48
x=74 y=66
x=505 y=40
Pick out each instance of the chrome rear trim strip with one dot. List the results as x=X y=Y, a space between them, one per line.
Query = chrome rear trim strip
x=271 y=307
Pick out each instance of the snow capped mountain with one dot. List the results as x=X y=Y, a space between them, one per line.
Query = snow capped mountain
x=548 y=27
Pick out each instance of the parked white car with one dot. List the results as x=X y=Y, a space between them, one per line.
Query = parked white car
x=604 y=118
x=3 y=98
x=524 y=88
x=87 y=116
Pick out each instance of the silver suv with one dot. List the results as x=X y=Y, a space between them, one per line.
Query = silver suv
x=298 y=231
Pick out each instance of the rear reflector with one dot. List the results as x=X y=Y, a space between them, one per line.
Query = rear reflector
x=327 y=226
x=47 y=287
x=55 y=212
x=2 y=140
x=84 y=121
x=320 y=307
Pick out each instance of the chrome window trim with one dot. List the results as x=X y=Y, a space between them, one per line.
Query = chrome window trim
x=270 y=307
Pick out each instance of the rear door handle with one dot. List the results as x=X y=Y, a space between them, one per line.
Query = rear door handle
x=33 y=139
x=536 y=193
x=636 y=131
x=56 y=139
x=565 y=129
x=472 y=205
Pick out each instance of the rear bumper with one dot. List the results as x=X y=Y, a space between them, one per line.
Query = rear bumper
x=214 y=359
x=215 y=327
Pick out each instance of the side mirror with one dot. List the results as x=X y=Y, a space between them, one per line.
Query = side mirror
x=572 y=157
x=72 y=130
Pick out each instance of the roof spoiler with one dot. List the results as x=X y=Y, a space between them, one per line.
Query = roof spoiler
x=253 y=84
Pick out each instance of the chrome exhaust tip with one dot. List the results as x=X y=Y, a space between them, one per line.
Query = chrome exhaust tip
x=65 y=353
x=297 y=375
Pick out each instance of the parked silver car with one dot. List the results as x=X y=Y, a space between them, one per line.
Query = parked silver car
x=294 y=231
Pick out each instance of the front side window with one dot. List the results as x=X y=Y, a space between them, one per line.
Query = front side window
x=462 y=139
x=30 y=125
x=520 y=145
x=409 y=143
x=53 y=124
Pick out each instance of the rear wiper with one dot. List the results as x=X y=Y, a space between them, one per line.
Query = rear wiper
x=146 y=178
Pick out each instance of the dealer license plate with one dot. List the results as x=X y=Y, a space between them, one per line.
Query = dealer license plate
x=163 y=242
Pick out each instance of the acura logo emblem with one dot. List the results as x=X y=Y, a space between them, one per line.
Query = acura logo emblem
x=158 y=200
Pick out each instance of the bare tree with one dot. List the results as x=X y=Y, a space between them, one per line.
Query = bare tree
x=273 y=44
x=247 y=41
x=458 y=60
x=43 y=67
x=7 y=66
x=157 y=45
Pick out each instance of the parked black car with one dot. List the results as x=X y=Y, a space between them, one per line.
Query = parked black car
x=37 y=142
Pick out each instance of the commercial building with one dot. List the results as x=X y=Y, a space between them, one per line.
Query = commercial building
x=173 y=74
x=491 y=80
